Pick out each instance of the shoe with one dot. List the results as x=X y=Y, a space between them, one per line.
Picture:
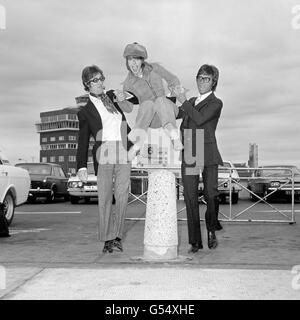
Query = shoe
x=4 y=235
x=195 y=247
x=108 y=246
x=132 y=153
x=118 y=244
x=219 y=226
x=177 y=144
x=212 y=240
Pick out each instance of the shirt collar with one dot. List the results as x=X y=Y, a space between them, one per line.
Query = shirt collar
x=93 y=97
x=201 y=97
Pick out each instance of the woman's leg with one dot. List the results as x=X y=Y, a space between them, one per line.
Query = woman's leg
x=138 y=134
x=167 y=112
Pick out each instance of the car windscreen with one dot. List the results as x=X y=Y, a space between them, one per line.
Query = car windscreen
x=224 y=168
x=37 y=169
x=275 y=172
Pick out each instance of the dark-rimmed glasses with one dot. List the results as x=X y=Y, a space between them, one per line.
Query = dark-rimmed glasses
x=96 y=80
x=204 y=79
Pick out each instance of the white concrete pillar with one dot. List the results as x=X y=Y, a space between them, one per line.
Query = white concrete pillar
x=161 y=235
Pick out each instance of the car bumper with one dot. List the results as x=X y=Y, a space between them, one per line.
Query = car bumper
x=39 y=191
x=286 y=191
x=82 y=192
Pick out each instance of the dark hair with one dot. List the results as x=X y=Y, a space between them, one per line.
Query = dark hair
x=210 y=70
x=141 y=58
x=88 y=73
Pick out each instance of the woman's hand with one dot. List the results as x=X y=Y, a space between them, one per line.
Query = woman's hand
x=179 y=92
x=120 y=95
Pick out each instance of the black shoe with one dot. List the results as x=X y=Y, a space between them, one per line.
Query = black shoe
x=118 y=244
x=195 y=247
x=218 y=226
x=108 y=246
x=4 y=235
x=212 y=240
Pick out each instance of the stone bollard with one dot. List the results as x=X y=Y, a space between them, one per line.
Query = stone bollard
x=160 y=235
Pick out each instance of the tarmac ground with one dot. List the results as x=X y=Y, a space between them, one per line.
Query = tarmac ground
x=54 y=254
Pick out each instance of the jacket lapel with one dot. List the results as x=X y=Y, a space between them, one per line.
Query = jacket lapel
x=201 y=104
x=94 y=113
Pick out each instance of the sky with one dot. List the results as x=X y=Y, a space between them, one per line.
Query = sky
x=45 y=44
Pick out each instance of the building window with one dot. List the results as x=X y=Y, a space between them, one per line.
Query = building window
x=61 y=138
x=52 y=159
x=72 y=138
x=72 y=158
x=44 y=139
x=44 y=159
x=72 y=170
x=62 y=117
x=72 y=145
x=52 y=139
x=61 y=158
x=72 y=117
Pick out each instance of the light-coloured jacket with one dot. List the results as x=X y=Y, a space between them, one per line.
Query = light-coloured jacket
x=150 y=86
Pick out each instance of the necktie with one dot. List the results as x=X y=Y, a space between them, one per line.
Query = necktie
x=108 y=104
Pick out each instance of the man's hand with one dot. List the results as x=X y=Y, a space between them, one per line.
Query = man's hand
x=82 y=174
x=180 y=93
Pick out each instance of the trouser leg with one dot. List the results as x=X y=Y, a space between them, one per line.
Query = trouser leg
x=105 y=194
x=121 y=191
x=190 y=185
x=211 y=194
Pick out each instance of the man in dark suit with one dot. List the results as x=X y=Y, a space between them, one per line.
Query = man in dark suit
x=201 y=112
x=103 y=119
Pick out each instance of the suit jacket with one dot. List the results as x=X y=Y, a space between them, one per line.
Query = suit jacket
x=90 y=123
x=205 y=115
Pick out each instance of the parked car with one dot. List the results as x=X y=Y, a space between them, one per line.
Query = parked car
x=47 y=180
x=276 y=177
x=83 y=190
x=14 y=187
x=224 y=183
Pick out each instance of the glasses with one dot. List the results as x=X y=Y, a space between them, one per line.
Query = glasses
x=204 y=79
x=96 y=80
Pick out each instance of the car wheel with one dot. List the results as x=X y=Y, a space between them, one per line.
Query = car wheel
x=9 y=207
x=51 y=196
x=31 y=199
x=288 y=199
x=222 y=198
x=74 y=200
x=67 y=197
x=253 y=198
x=235 y=198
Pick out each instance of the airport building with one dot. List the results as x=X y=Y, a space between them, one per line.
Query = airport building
x=58 y=131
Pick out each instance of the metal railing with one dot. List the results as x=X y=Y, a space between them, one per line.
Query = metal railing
x=231 y=216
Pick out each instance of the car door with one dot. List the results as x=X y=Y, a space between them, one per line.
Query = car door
x=61 y=180
x=64 y=181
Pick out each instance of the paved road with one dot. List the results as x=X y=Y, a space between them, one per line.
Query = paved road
x=54 y=254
